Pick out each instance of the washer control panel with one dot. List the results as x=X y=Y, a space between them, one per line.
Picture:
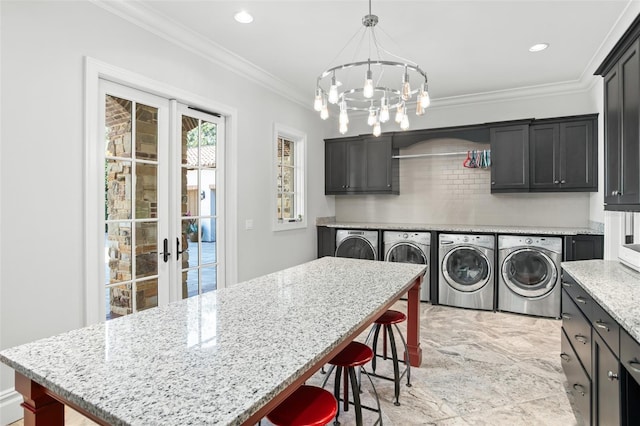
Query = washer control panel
x=511 y=241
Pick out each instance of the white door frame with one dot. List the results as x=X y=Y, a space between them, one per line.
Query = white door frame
x=96 y=70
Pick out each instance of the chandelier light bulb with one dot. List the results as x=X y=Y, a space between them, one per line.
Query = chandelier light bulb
x=371 y=120
x=367 y=91
x=400 y=112
x=324 y=112
x=406 y=87
x=333 y=91
x=317 y=102
x=384 y=110
x=425 y=100
x=343 y=128
x=377 y=130
x=344 y=116
x=419 y=108
x=404 y=124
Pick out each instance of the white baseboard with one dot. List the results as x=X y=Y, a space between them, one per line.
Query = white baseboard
x=10 y=409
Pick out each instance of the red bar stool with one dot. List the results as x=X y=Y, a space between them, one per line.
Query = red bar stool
x=306 y=406
x=355 y=354
x=385 y=322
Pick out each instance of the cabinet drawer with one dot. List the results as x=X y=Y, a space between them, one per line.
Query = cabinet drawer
x=578 y=383
x=578 y=295
x=606 y=327
x=606 y=384
x=630 y=355
x=578 y=330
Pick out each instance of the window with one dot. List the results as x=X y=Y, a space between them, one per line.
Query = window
x=290 y=175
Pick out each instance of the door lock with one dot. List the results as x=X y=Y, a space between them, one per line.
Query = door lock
x=165 y=254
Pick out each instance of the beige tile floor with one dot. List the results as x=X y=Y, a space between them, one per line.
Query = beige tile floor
x=479 y=368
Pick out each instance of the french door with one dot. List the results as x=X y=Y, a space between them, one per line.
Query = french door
x=161 y=183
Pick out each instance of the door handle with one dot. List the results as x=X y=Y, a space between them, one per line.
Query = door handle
x=178 y=252
x=165 y=254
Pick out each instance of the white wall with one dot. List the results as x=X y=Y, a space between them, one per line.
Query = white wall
x=42 y=164
x=421 y=202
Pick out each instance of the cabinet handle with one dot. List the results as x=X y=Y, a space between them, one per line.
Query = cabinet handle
x=556 y=182
x=612 y=376
x=565 y=356
x=581 y=299
x=580 y=338
x=563 y=181
x=566 y=316
x=579 y=388
x=614 y=193
x=635 y=366
x=566 y=284
x=493 y=183
x=602 y=324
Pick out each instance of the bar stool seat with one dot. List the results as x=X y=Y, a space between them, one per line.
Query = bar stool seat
x=355 y=354
x=306 y=406
x=384 y=322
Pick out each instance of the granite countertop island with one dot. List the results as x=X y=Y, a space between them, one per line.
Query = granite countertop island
x=489 y=229
x=221 y=357
x=614 y=287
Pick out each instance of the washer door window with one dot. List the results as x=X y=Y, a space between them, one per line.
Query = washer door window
x=529 y=273
x=356 y=248
x=466 y=269
x=406 y=253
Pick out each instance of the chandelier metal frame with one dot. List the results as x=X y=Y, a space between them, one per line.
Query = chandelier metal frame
x=375 y=99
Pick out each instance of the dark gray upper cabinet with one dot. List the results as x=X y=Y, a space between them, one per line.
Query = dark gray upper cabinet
x=558 y=154
x=361 y=165
x=510 y=158
x=621 y=72
x=563 y=155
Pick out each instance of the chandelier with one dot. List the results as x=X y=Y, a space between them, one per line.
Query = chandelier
x=379 y=87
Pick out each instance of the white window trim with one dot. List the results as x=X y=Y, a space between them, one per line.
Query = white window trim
x=300 y=139
x=94 y=254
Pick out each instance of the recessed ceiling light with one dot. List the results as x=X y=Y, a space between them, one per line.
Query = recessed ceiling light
x=243 y=17
x=538 y=47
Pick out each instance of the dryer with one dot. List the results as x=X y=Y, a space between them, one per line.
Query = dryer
x=409 y=247
x=529 y=279
x=466 y=276
x=357 y=244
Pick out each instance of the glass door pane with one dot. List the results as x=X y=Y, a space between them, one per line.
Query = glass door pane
x=131 y=205
x=199 y=199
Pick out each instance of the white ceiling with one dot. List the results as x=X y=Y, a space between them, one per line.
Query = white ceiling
x=466 y=47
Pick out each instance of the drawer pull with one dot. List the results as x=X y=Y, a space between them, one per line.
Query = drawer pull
x=565 y=356
x=602 y=324
x=635 y=366
x=612 y=376
x=580 y=338
x=566 y=284
x=581 y=299
x=566 y=316
x=579 y=388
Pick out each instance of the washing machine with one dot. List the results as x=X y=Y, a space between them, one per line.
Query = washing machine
x=466 y=276
x=409 y=247
x=357 y=244
x=529 y=279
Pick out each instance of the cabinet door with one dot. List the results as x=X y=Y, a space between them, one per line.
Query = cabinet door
x=606 y=395
x=612 y=136
x=578 y=160
x=510 y=158
x=335 y=167
x=356 y=166
x=583 y=247
x=630 y=146
x=378 y=166
x=544 y=156
x=326 y=241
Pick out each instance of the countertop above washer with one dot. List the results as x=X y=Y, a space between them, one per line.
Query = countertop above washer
x=614 y=287
x=489 y=229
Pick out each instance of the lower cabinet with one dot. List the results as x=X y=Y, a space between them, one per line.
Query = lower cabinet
x=583 y=247
x=326 y=241
x=600 y=361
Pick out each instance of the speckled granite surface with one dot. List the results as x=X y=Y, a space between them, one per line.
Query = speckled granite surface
x=615 y=287
x=490 y=229
x=210 y=359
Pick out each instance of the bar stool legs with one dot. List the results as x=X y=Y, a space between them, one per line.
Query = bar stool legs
x=385 y=323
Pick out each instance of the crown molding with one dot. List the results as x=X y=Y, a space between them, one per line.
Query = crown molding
x=146 y=18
